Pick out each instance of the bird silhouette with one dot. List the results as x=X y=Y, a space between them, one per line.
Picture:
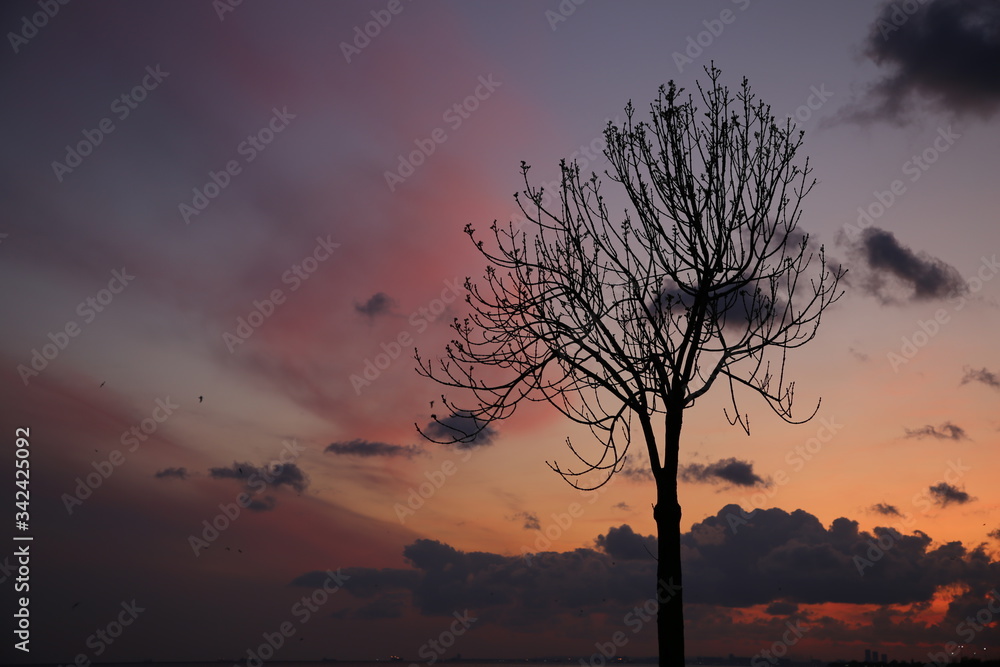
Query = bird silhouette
x=103 y=383
x=201 y=398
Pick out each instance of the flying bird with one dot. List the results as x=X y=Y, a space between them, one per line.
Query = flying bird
x=103 y=383
x=201 y=398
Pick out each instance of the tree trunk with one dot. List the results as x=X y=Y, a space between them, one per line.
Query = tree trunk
x=667 y=513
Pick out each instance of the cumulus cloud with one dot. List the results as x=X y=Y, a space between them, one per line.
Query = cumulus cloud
x=737 y=559
x=366 y=449
x=179 y=473
x=379 y=304
x=734 y=559
x=946 y=54
x=511 y=591
x=462 y=430
x=623 y=543
x=946 y=431
x=945 y=494
x=989 y=378
x=728 y=471
x=893 y=273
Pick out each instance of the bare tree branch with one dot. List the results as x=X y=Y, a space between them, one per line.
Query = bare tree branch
x=618 y=320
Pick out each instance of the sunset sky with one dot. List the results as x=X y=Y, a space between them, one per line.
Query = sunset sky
x=216 y=254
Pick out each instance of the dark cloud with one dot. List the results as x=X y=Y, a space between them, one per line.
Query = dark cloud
x=239 y=471
x=886 y=510
x=256 y=479
x=624 y=506
x=636 y=472
x=530 y=520
x=945 y=494
x=511 y=591
x=363 y=582
x=893 y=273
x=368 y=449
x=946 y=431
x=266 y=504
x=734 y=312
x=742 y=559
x=729 y=471
x=734 y=559
x=995 y=534
x=462 y=430
x=858 y=354
x=945 y=54
x=782 y=608
x=989 y=378
x=378 y=304
x=622 y=543
x=276 y=475
x=179 y=473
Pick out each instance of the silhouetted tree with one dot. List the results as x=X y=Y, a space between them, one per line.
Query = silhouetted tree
x=620 y=324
